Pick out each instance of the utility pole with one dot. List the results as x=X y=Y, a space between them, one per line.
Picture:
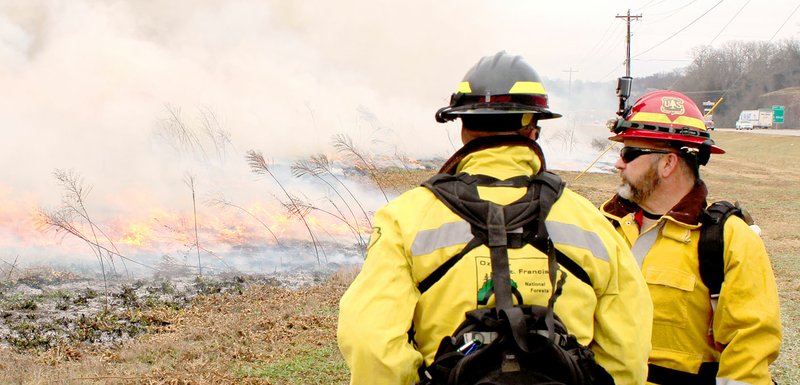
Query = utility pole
x=570 y=80
x=628 y=19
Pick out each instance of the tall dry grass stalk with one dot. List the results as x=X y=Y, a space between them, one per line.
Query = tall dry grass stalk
x=188 y=138
x=73 y=210
x=10 y=268
x=362 y=160
x=319 y=166
x=189 y=181
x=223 y=202
x=259 y=166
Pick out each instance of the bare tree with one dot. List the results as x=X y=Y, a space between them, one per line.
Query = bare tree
x=743 y=72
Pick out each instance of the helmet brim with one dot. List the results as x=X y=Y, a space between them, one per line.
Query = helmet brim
x=656 y=135
x=451 y=113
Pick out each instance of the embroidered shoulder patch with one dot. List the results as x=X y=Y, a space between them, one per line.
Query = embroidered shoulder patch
x=374 y=237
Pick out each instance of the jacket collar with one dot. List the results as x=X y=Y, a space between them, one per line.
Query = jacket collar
x=687 y=211
x=489 y=154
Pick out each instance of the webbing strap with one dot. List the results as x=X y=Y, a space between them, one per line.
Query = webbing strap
x=666 y=376
x=515 y=241
x=491 y=224
x=459 y=193
x=549 y=195
x=711 y=246
x=440 y=271
x=556 y=290
x=501 y=275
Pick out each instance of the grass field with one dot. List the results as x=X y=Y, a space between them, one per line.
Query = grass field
x=270 y=335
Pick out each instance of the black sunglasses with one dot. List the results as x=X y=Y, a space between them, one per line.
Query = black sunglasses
x=628 y=154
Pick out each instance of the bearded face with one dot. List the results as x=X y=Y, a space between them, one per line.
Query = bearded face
x=638 y=190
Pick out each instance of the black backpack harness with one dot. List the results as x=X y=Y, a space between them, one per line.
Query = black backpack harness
x=711 y=247
x=508 y=344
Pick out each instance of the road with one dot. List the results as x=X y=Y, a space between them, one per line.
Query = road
x=787 y=132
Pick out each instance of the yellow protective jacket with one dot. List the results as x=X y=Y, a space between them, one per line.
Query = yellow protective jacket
x=743 y=334
x=415 y=233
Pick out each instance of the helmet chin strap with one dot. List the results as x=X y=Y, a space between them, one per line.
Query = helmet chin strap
x=442 y=118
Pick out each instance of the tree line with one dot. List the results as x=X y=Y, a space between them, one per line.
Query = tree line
x=749 y=75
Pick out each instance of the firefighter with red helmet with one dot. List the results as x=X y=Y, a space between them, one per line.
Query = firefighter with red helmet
x=698 y=337
x=388 y=328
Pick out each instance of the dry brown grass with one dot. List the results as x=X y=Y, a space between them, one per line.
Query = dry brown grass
x=277 y=336
x=222 y=339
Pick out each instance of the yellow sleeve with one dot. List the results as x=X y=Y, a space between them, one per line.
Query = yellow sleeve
x=747 y=323
x=623 y=321
x=623 y=314
x=377 y=309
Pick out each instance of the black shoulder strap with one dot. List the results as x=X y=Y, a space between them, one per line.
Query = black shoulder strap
x=711 y=246
x=459 y=193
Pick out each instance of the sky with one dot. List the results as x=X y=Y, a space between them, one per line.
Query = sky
x=98 y=86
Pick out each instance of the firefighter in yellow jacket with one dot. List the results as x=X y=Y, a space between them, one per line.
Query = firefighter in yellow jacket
x=500 y=102
x=698 y=338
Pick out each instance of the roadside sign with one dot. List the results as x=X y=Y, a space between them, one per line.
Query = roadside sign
x=777 y=116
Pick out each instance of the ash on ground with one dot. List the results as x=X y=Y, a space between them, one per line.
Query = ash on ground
x=42 y=308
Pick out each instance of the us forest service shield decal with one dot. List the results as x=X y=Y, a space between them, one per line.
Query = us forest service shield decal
x=672 y=106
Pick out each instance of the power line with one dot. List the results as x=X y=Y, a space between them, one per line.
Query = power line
x=729 y=21
x=612 y=70
x=672 y=86
x=741 y=76
x=602 y=41
x=670 y=13
x=663 y=59
x=600 y=53
x=648 y=4
x=616 y=66
x=680 y=30
x=785 y=21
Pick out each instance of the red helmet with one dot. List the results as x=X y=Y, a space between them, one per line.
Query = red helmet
x=666 y=115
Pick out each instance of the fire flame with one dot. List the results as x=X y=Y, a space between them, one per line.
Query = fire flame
x=161 y=230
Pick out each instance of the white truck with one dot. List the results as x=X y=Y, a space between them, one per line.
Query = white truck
x=750 y=119
x=765 y=118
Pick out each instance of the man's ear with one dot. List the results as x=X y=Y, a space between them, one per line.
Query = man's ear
x=530 y=132
x=671 y=164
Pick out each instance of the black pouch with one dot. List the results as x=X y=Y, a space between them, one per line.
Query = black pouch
x=502 y=356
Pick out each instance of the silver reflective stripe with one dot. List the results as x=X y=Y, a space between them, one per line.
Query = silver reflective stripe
x=645 y=242
x=725 y=381
x=714 y=299
x=572 y=235
x=448 y=234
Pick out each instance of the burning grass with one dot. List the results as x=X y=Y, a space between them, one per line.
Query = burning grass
x=257 y=333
